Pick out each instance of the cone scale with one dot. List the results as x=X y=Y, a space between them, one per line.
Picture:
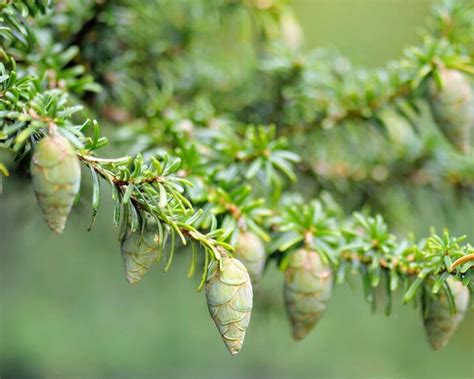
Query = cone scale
x=229 y=299
x=56 y=175
x=308 y=287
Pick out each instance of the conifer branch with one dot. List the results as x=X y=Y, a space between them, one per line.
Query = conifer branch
x=339 y=92
x=208 y=176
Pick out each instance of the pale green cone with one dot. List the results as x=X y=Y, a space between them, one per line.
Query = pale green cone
x=56 y=174
x=308 y=287
x=229 y=298
x=139 y=251
x=250 y=250
x=440 y=324
x=452 y=106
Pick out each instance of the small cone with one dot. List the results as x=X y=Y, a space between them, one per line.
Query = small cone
x=139 y=251
x=56 y=174
x=250 y=250
x=452 y=106
x=229 y=299
x=440 y=324
x=308 y=287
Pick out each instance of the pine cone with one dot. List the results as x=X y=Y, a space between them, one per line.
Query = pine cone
x=139 y=251
x=229 y=298
x=440 y=324
x=250 y=250
x=56 y=176
x=308 y=287
x=453 y=108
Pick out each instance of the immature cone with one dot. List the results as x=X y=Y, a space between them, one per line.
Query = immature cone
x=250 y=250
x=440 y=324
x=56 y=176
x=229 y=298
x=308 y=287
x=452 y=106
x=139 y=251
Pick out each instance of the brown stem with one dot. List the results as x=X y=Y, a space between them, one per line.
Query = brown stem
x=460 y=261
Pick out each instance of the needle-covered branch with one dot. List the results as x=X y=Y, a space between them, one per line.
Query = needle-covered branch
x=211 y=158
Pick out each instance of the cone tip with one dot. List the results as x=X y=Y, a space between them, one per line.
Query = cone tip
x=437 y=345
x=233 y=347
x=58 y=229
x=234 y=351
x=298 y=333
x=131 y=280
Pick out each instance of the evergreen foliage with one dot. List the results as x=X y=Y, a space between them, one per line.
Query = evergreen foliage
x=212 y=100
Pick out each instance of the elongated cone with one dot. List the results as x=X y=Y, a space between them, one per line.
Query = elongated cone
x=250 y=250
x=139 y=251
x=56 y=176
x=452 y=106
x=308 y=287
x=229 y=298
x=440 y=324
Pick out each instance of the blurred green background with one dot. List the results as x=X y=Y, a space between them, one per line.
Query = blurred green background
x=67 y=312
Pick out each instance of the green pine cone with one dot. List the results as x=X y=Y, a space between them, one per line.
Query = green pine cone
x=308 y=287
x=440 y=324
x=56 y=176
x=250 y=250
x=452 y=106
x=139 y=251
x=229 y=298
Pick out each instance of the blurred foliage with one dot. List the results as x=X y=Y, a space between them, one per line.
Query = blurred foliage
x=226 y=117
